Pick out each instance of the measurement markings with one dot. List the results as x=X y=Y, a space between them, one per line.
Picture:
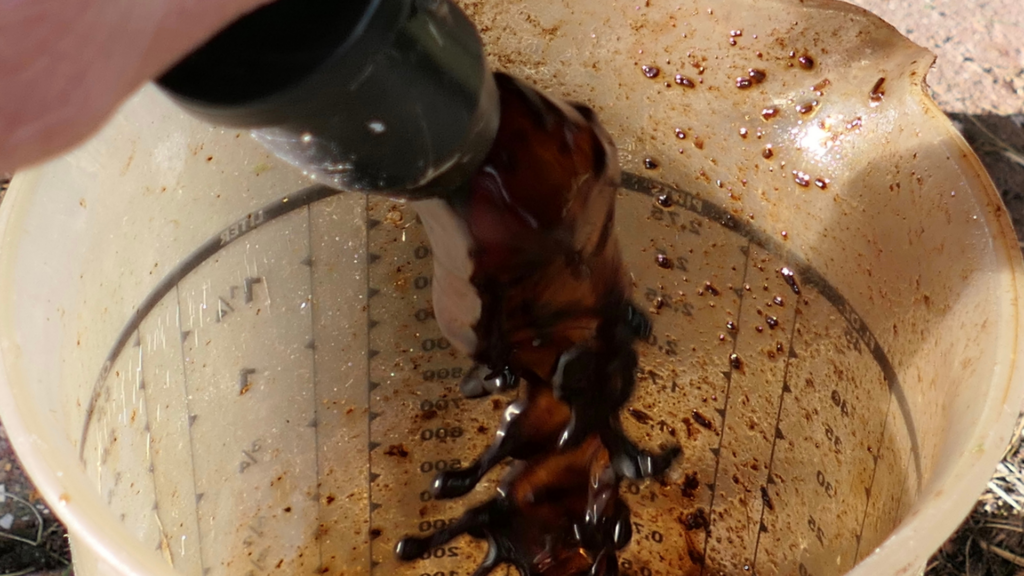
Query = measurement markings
x=785 y=389
x=723 y=412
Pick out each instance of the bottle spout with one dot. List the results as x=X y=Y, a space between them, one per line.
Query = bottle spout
x=387 y=96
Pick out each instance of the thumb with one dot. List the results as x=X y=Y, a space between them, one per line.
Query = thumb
x=67 y=65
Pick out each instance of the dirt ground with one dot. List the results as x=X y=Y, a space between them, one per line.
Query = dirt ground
x=978 y=80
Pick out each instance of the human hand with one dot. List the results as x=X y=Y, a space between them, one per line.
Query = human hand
x=67 y=64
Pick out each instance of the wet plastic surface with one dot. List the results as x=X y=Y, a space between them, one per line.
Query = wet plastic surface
x=885 y=301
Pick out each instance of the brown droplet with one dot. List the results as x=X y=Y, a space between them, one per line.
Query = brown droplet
x=801 y=178
x=821 y=183
x=690 y=485
x=650 y=164
x=743 y=82
x=684 y=81
x=397 y=450
x=766 y=498
x=639 y=415
x=757 y=75
x=778 y=301
x=805 y=108
x=735 y=33
x=767 y=152
x=743 y=132
x=696 y=520
x=663 y=261
x=772 y=322
x=651 y=71
x=730 y=325
x=769 y=113
x=790 y=277
x=665 y=201
x=806 y=62
x=702 y=420
x=877 y=92
x=711 y=289
x=735 y=362
x=680 y=134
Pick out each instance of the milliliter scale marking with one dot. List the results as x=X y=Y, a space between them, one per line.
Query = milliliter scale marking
x=318 y=399
x=420 y=424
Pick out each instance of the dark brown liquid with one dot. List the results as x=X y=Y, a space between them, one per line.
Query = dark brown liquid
x=555 y=317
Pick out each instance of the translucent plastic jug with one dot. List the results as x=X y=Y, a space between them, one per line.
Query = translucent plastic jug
x=211 y=365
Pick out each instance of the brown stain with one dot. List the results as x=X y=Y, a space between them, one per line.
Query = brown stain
x=397 y=450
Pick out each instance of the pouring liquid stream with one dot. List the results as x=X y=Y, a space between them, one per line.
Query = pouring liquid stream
x=529 y=249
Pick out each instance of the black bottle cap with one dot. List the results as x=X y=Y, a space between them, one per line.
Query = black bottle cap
x=373 y=95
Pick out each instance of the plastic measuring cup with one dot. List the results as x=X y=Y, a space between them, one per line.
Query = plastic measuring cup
x=210 y=365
